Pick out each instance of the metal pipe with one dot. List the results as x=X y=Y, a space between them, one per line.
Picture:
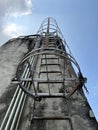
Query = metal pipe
x=9 y=122
x=9 y=110
x=11 y=106
x=14 y=103
x=21 y=99
x=16 y=126
x=20 y=103
x=17 y=112
x=13 y=111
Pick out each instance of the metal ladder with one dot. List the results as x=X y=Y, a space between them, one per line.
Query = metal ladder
x=50 y=84
x=51 y=77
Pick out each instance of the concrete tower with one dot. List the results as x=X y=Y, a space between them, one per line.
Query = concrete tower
x=41 y=84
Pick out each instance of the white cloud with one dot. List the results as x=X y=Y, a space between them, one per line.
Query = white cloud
x=8 y=10
x=12 y=30
x=28 y=3
x=19 y=8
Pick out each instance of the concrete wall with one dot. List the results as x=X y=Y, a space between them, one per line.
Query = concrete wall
x=10 y=55
x=76 y=110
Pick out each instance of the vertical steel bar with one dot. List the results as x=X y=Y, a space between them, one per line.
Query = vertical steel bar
x=47 y=75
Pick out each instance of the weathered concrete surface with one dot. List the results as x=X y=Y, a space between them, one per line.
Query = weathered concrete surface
x=10 y=56
x=75 y=109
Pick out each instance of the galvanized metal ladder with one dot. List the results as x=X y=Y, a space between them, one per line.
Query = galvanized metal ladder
x=53 y=76
x=47 y=71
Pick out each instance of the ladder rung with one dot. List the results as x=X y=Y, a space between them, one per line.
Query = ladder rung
x=42 y=80
x=50 y=58
x=50 y=71
x=52 y=46
x=52 y=37
x=50 y=64
x=49 y=95
x=50 y=80
x=52 y=42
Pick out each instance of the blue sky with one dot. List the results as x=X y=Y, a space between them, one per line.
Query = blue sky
x=78 y=21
